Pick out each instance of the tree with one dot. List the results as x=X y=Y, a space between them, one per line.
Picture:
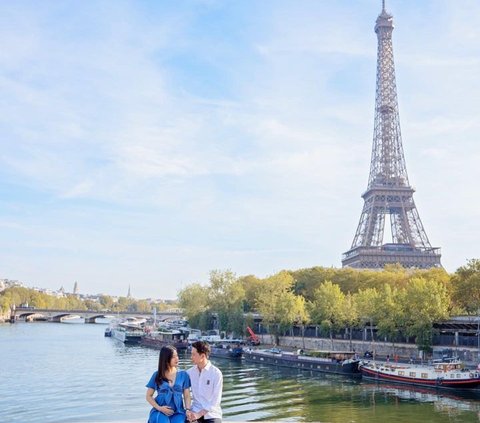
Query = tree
x=328 y=308
x=366 y=301
x=106 y=302
x=123 y=304
x=466 y=286
x=92 y=305
x=140 y=306
x=278 y=305
x=350 y=313
x=251 y=286
x=425 y=301
x=389 y=312
x=193 y=299
x=226 y=297
x=308 y=280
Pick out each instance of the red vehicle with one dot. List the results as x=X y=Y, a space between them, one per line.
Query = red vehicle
x=252 y=339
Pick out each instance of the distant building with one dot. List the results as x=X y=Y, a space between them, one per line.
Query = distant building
x=8 y=283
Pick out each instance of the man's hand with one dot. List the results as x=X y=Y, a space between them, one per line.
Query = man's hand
x=191 y=416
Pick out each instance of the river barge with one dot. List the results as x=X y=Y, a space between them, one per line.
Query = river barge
x=228 y=348
x=159 y=339
x=442 y=374
x=335 y=362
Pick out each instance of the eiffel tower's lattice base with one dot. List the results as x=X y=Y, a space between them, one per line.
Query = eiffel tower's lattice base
x=378 y=257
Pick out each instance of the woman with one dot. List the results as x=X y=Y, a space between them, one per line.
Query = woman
x=172 y=386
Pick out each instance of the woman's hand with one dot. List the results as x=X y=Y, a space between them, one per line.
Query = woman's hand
x=168 y=411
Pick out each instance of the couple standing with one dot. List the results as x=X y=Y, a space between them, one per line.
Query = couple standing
x=173 y=402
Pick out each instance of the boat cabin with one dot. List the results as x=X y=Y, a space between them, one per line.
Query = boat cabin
x=338 y=356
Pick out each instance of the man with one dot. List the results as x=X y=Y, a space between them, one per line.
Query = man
x=207 y=384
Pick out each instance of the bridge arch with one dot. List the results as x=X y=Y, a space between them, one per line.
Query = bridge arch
x=31 y=316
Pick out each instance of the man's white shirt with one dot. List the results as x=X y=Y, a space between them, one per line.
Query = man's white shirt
x=207 y=388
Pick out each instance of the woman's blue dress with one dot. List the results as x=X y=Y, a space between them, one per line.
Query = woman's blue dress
x=171 y=396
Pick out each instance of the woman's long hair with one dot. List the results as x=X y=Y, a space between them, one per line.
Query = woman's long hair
x=166 y=354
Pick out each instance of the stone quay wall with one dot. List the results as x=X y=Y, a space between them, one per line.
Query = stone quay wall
x=404 y=352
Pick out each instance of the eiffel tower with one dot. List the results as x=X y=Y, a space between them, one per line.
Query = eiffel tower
x=388 y=191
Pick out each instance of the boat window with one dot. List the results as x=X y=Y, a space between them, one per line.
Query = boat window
x=413 y=374
x=424 y=375
x=401 y=373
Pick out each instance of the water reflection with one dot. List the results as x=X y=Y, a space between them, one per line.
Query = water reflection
x=74 y=374
x=257 y=393
x=466 y=400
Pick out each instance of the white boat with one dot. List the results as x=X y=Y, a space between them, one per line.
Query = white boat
x=445 y=373
x=72 y=319
x=138 y=322
x=129 y=330
x=127 y=335
x=104 y=320
x=211 y=336
x=194 y=335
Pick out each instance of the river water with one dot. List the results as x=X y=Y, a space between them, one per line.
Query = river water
x=55 y=373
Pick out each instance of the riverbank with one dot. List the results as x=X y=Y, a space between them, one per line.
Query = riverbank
x=98 y=379
x=404 y=352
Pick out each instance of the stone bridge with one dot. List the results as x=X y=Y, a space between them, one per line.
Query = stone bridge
x=30 y=314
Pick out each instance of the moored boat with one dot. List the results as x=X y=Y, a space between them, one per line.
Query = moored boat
x=335 y=362
x=72 y=319
x=228 y=348
x=158 y=339
x=446 y=373
x=104 y=320
x=127 y=335
x=129 y=330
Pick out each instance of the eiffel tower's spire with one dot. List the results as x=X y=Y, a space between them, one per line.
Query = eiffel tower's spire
x=388 y=191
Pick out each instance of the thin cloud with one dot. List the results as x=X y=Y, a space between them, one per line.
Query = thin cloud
x=213 y=137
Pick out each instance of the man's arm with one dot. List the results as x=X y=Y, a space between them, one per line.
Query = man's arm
x=216 y=397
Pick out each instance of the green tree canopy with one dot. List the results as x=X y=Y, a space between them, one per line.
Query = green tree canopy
x=193 y=300
x=278 y=304
x=425 y=301
x=328 y=307
x=466 y=286
x=226 y=297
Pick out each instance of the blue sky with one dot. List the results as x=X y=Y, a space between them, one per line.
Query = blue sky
x=145 y=143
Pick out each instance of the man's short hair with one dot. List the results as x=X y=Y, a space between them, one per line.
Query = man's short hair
x=202 y=347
